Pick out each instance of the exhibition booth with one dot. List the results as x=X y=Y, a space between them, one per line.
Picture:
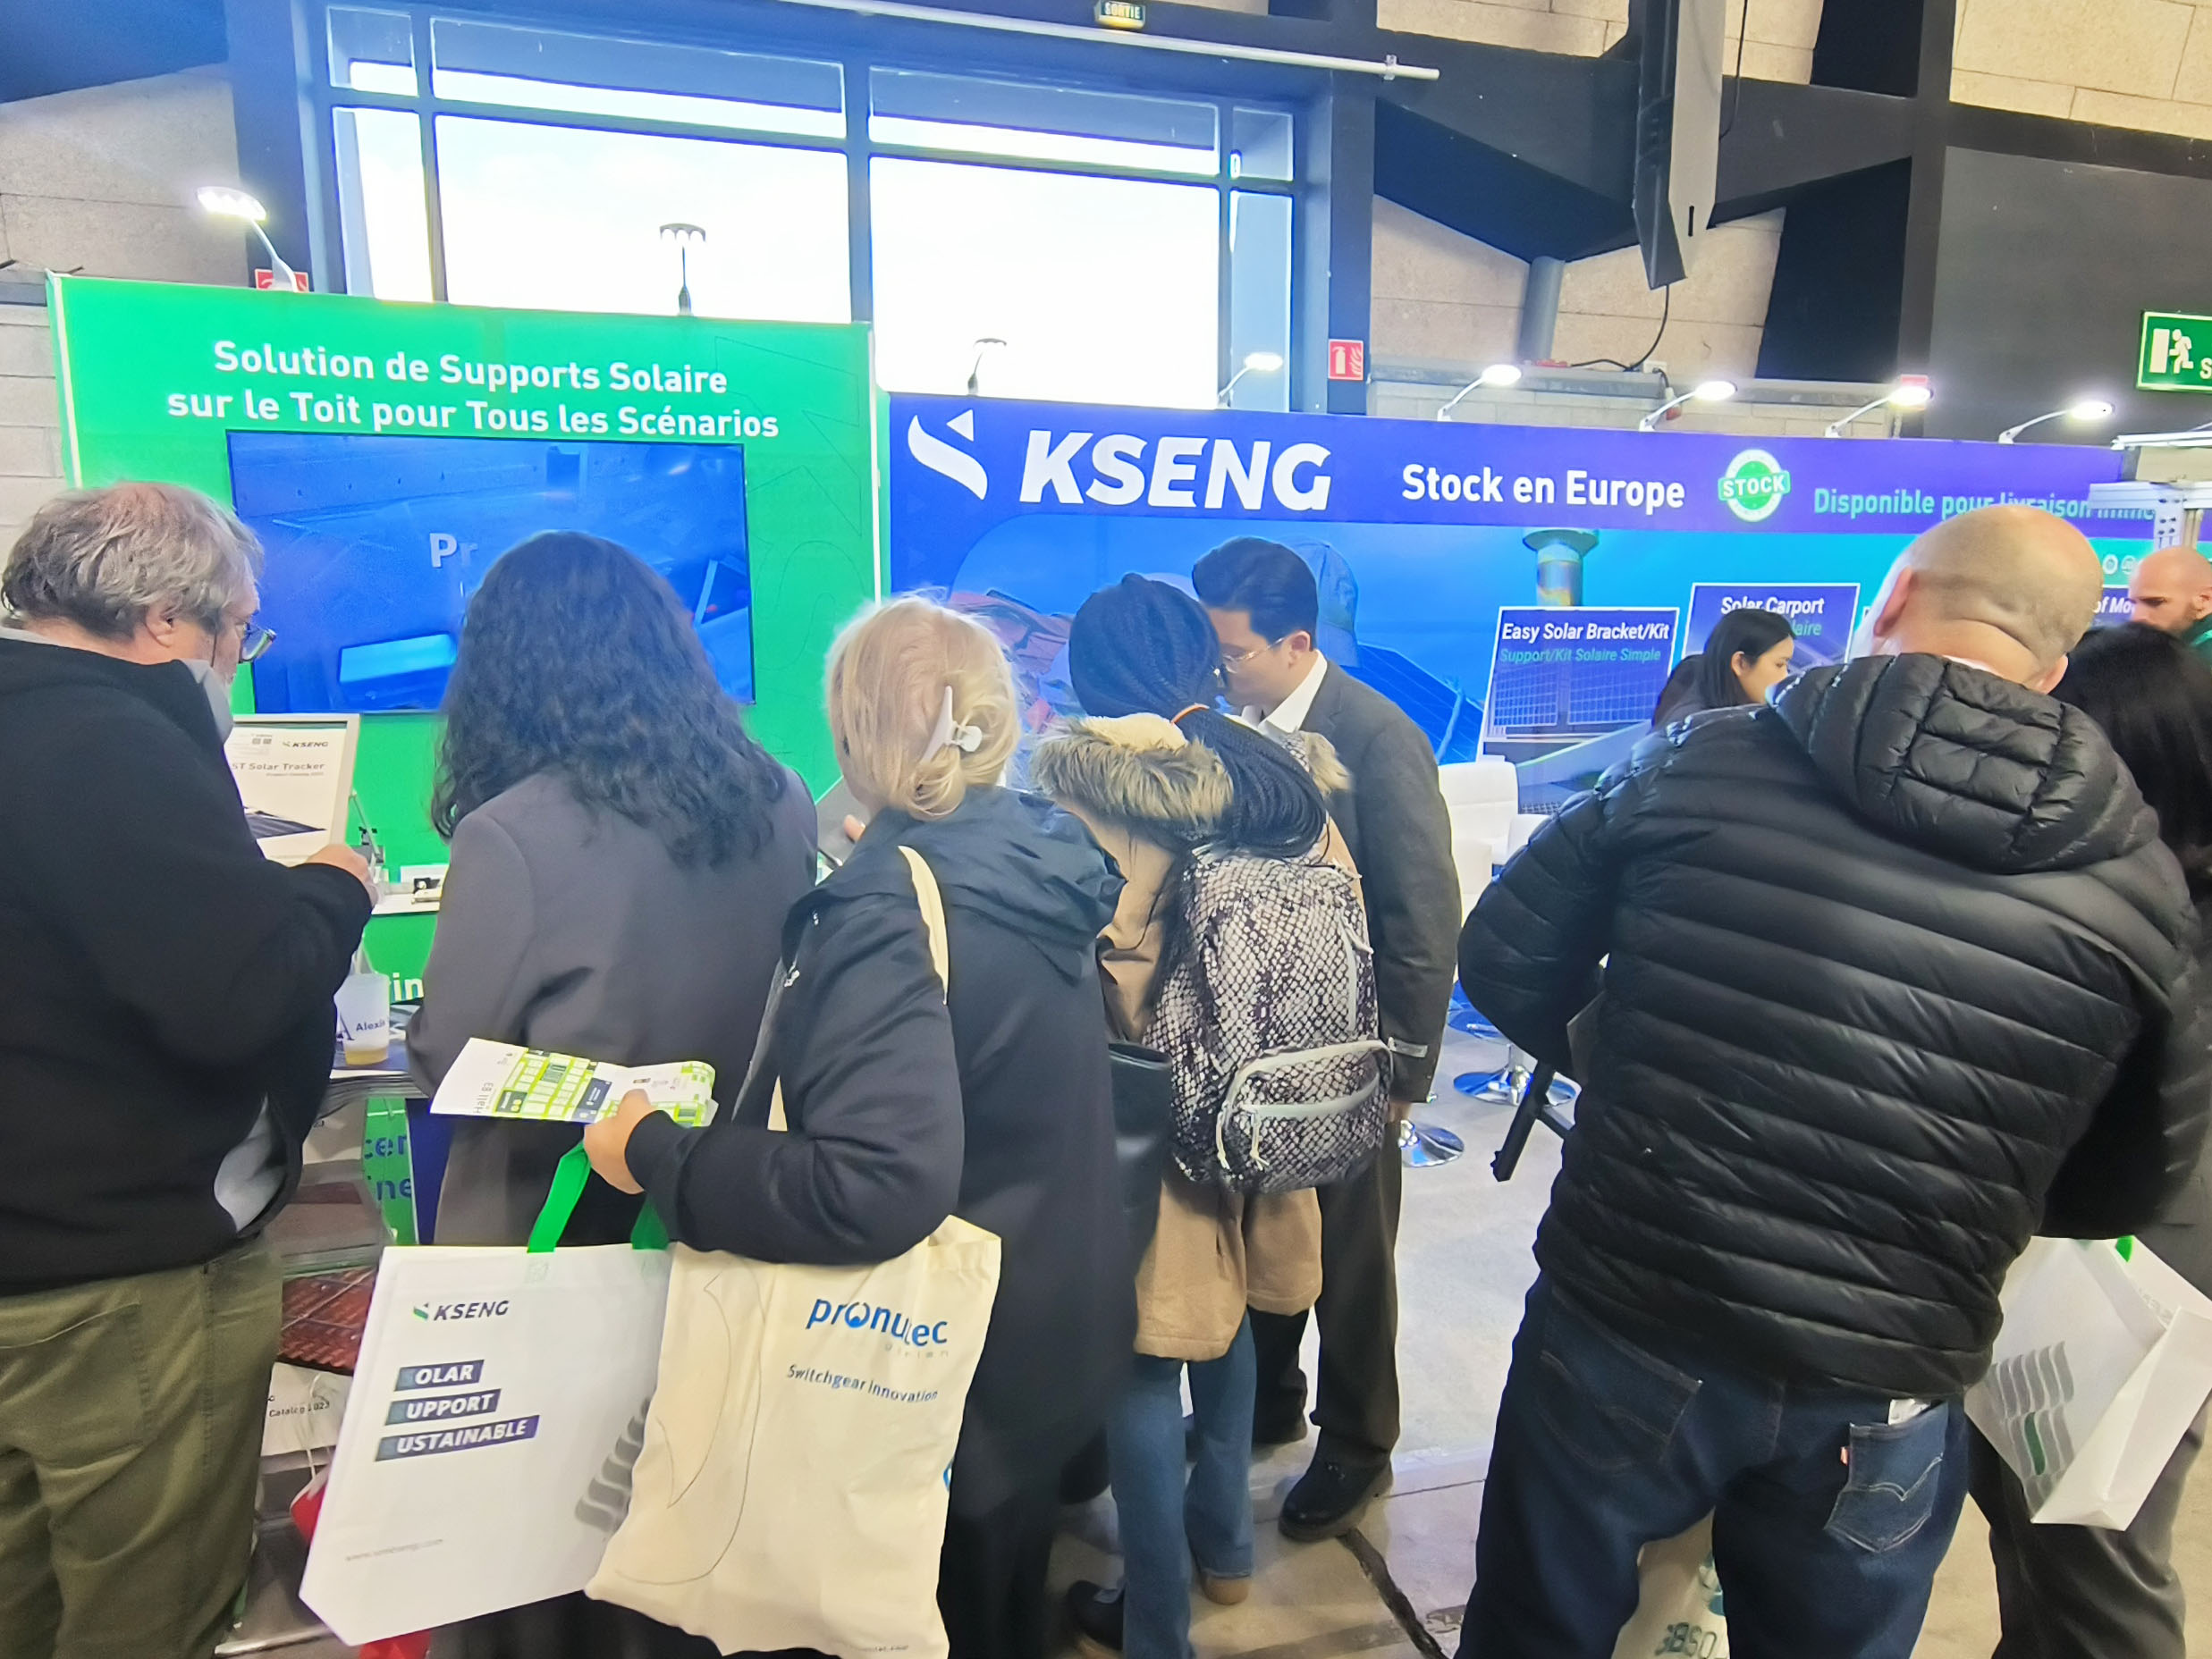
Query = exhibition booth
x=1521 y=592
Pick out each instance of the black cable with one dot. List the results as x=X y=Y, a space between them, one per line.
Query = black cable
x=1666 y=307
x=1742 y=33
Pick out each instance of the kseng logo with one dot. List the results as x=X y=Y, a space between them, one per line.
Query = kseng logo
x=1121 y=469
x=1753 y=486
x=441 y=1311
x=947 y=462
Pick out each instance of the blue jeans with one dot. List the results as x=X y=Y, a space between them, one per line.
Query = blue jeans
x=1167 y=1518
x=1606 y=1443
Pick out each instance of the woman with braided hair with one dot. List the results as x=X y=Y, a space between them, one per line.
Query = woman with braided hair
x=1157 y=771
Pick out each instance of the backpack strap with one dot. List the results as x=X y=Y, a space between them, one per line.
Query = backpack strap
x=932 y=904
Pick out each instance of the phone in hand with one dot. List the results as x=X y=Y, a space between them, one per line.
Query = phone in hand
x=831 y=814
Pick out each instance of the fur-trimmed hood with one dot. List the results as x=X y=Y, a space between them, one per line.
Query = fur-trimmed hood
x=1139 y=770
x=1142 y=771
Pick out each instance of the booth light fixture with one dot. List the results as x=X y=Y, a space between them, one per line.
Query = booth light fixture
x=228 y=202
x=1911 y=391
x=1496 y=375
x=683 y=235
x=976 y=369
x=1256 y=363
x=1704 y=391
x=2082 y=408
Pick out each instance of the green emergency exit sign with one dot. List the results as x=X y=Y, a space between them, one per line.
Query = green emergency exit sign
x=2177 y=353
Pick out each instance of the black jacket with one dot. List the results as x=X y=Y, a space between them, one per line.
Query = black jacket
x=903 y=1111
x=1393 y=819
x=1882 y=956
x=159 y=978
x=2182 y=1235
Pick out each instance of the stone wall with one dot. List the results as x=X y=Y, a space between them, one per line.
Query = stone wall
x=2142 y=64
x=1778 y=35
x=1439 y=296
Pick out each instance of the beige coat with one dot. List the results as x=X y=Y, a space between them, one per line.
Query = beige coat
x=1215 y=1252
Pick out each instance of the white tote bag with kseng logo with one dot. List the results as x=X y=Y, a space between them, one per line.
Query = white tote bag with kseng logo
x=792 y=1488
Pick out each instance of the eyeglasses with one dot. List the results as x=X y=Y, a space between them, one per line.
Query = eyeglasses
x=254 y=642
x=1236 y=659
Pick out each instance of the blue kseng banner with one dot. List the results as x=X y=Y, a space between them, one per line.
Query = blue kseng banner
x=1423 y=533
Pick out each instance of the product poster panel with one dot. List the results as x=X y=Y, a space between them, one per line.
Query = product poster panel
x=1571 y=690
x=1822 y=617
x=388 y=453
x=294 y=775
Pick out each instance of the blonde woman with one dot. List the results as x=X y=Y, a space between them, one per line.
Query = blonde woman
x=908 y=1103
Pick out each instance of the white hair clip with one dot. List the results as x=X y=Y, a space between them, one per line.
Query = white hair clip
x=951 y=734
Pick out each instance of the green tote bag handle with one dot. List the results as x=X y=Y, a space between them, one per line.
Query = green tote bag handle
x=570 y=1178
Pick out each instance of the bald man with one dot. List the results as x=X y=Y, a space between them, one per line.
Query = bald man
x=1894 y=973
x=2171 y=589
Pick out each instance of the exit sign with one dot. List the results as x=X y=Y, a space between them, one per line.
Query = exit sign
x=2176 y=354
x=1347 y=359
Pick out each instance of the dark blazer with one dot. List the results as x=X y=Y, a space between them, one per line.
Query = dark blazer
x=160 y=979
x=904 y=1108
x=1896 y=975
x=1400 y=834
x=569 y=928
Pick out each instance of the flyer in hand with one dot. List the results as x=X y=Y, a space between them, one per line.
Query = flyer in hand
x=501 y=1080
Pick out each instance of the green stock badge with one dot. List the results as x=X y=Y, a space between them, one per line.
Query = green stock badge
x=1753 y=486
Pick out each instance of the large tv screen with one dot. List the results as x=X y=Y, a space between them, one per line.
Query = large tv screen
x=375 y=543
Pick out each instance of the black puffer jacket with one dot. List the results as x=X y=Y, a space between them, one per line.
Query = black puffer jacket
x=1881 y=958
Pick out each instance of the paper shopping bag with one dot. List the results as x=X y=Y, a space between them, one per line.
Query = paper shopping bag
x=499 y=1401
x=1678 y=1607
x=2101 y=1366
x=791 y=1491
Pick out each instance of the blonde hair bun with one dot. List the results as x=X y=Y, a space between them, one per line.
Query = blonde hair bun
x=889 y=672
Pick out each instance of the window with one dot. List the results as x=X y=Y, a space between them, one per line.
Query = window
x=1103 y=290
x=1126 y=247
x=569 y=219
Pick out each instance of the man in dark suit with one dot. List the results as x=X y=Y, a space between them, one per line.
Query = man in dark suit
x=1266 y=608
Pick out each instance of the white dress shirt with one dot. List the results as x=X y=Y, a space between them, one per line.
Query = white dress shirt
x=1290 y=715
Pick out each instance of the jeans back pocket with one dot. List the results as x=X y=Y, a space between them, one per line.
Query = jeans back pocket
x=1897 y=1474
x=1613 y=1406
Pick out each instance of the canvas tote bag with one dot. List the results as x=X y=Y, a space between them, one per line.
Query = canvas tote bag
x=797 y=1456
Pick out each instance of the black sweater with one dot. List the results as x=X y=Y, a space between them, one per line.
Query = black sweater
x=159 y=978
x=1899 y=975
x=903 y=1111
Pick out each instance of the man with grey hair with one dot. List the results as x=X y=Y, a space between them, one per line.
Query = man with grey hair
x=165 y=1032
x=1870 y=985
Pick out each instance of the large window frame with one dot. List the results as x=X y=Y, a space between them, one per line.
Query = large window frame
x=321 y=100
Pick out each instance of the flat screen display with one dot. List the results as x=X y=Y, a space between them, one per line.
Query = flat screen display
x=375 y=543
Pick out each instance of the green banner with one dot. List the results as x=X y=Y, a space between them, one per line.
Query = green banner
x=2176 y=353
x=154 y=377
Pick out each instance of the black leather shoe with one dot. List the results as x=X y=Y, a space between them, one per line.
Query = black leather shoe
x=1265 y=1435
x=1330 y=1497
x=1094 y=1614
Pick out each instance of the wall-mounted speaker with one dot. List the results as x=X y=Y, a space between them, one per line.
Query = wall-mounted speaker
x=1678 y=130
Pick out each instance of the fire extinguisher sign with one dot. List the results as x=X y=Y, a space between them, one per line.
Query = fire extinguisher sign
x=1347 y=359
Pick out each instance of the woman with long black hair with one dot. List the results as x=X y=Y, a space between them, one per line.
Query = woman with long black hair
x=1748 y=654
x=623 y=855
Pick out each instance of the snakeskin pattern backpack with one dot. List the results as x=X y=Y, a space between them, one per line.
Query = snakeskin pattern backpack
x=1268 y=1016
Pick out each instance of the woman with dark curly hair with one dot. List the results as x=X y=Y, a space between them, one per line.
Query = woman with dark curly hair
x=623 y=855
